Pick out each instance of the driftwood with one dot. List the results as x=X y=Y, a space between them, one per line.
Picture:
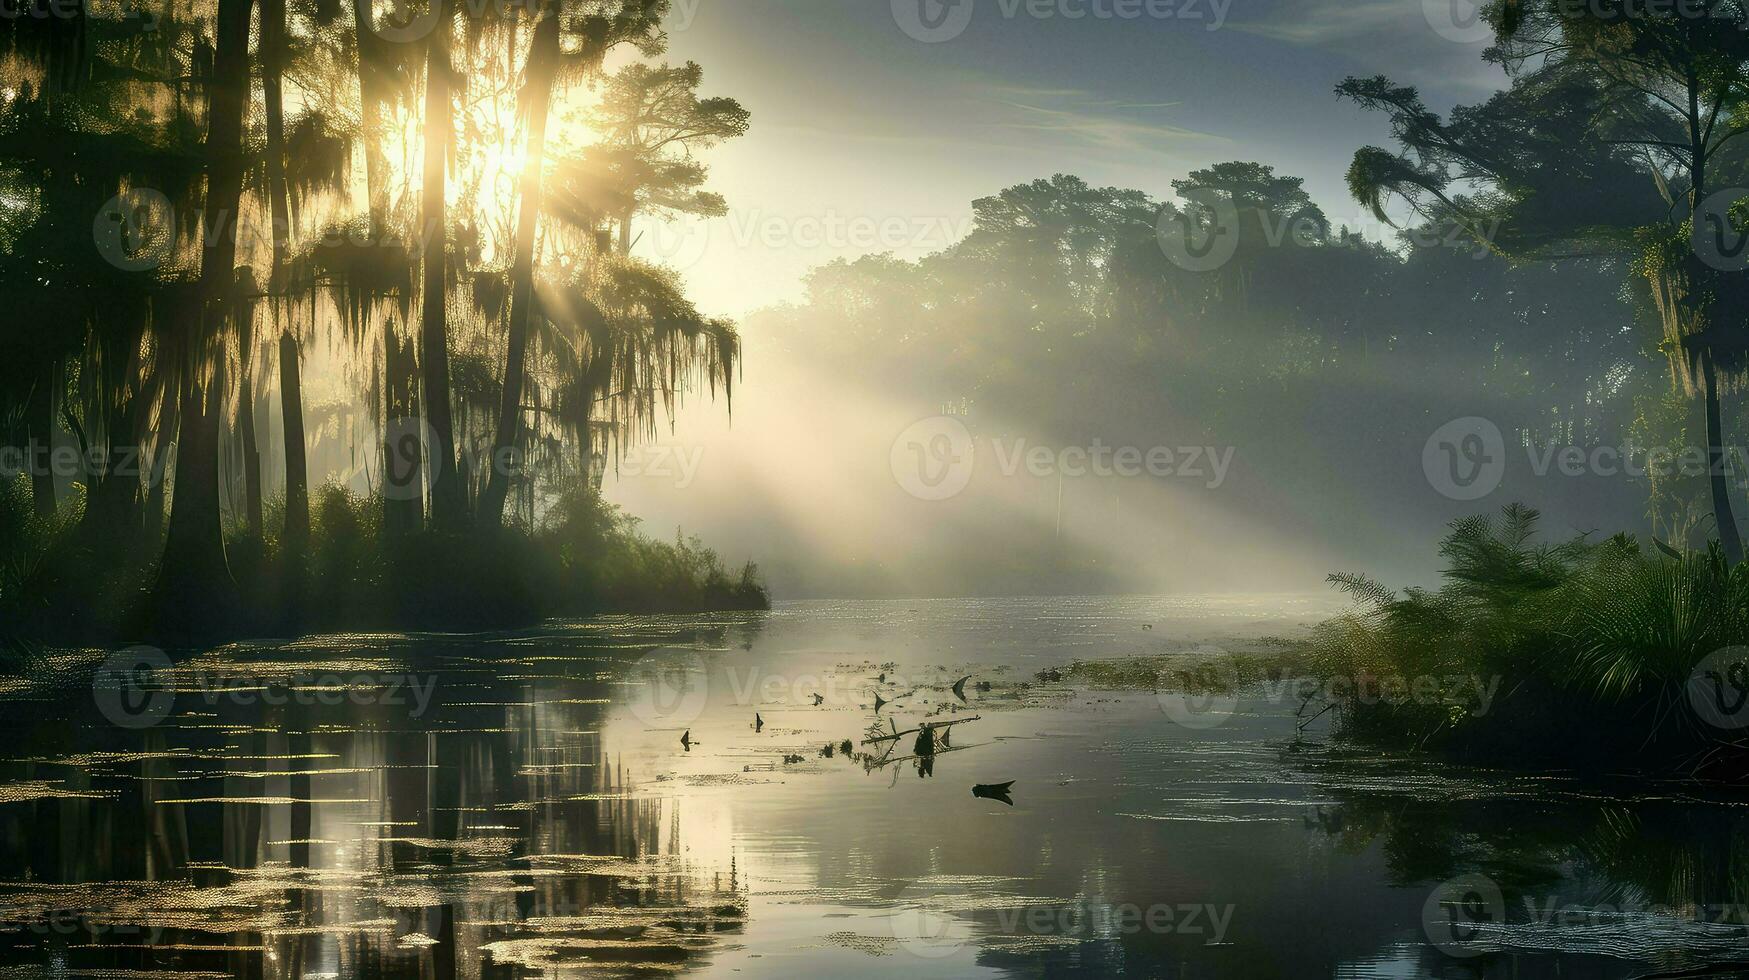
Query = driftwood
x=883 y=762
x=930 y=725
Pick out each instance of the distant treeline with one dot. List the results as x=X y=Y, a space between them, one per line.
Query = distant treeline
x=1325 y=358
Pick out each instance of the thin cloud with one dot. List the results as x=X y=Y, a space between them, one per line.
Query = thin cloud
x=1393 y=36
x=1318 y=25
x=1078 y=117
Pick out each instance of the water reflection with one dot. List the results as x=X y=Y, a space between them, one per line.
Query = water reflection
x=525 y=806
x=363 y=807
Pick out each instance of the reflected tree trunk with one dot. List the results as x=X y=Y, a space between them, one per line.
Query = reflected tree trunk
x=1729 y=538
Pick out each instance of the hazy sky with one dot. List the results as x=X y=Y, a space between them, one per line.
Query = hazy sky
x=866 y=139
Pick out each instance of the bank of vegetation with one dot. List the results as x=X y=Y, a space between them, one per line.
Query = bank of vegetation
x=320 y=319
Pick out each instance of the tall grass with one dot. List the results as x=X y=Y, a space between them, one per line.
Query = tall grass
x=1592 y=643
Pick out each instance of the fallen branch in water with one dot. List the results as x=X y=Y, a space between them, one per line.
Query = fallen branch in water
x=930 y=725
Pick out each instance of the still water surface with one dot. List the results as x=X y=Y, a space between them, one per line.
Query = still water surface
x=523 y=805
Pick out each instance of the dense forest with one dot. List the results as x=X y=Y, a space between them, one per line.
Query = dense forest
x=1320 y=355
x=203 y=205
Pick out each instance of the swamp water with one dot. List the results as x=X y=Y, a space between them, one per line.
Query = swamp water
x=523 y=805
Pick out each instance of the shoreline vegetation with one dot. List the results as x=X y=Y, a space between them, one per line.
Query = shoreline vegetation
x=63 y=584
x=247 y=398
x=1569 y=653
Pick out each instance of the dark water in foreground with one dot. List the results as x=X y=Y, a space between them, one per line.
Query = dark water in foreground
x=523 y=806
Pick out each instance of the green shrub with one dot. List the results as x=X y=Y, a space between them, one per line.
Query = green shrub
x=1591 y=644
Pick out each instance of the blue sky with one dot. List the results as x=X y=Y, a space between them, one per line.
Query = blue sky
x=866 y=139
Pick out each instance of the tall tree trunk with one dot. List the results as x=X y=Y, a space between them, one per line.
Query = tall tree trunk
x=246 y=423
x=152 y=523
x=375 y=80
x=273 y=106
x=447 y=507
x=193 y=574
x=40 y=430
x=112 y=509
x=296 y=536
x=1729 y=538
x=542 y=58
x=194 y=581
x=296 y=533
x=625 y=232
x=403 y=451
x=372 y=92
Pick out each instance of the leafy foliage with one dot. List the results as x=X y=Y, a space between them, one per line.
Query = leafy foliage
x=1592 y=644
